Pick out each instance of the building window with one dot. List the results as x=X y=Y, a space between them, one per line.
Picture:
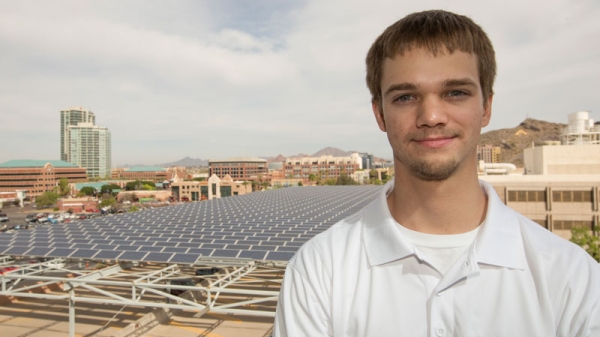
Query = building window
x=542 y=223
x=526 y=196
x=572 y=196
x=570 y=224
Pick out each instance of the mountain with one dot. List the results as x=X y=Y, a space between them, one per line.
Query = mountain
x=332 y=151
x=514 y=140
x=187 y=161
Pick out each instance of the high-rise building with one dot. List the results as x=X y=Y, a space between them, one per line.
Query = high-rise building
x=90 y=148
x=72 y=116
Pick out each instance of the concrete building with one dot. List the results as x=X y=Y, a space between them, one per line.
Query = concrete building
x=213 y=188
x=367 y=161
x=72 y=117
x=239 y=168
x=90 y=148
x=556 y=202
x=147 y=173
x=37 y=176
x=489 y=153
x=577 y=153
x=323 y=167
x=78 y=205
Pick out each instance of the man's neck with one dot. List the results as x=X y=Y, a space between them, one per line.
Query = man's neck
x=452 y=206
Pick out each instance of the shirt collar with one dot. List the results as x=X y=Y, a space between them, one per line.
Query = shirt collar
x=499 y=241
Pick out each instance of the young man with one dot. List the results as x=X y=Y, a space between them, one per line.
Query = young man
x=438 y=253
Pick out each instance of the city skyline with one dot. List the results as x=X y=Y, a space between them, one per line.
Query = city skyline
x=229 y=79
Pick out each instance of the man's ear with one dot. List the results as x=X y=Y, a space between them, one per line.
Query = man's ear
x=378 y=111
x=487 y=111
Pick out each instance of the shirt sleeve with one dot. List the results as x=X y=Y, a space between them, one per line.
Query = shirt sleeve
x=303 y=308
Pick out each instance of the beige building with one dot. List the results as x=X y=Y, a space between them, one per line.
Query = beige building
x=562 y=159
x=157 y=195
x=489 y=153
x=213 y=188
x=556 y=202
x=322 y=167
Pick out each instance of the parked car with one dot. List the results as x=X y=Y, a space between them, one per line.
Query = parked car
x=179 y=282
x=31 y=218
x=4 y=217
x=8 y=269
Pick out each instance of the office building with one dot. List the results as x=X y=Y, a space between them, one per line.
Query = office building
x=489 y=153
x=323 y=167
x=239 y=168
x=556 y=202
x=213 y=188
x=37 y=176
x=68 y=117
x=90 y=148
x=147 y=173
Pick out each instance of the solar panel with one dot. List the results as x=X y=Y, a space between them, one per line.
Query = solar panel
x=255 y=255
x=39 y=251
x=279 y=256
x=132 y=256
x=84 y=253
x=107 y=254
x=158 y=257
x=16 y=250
x=269 y=225
x=61 y=252
x=225 y=253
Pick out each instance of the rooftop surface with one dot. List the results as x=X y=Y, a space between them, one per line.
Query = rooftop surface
x=18 y=163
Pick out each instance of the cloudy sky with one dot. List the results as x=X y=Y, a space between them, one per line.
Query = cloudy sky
x=219 y=79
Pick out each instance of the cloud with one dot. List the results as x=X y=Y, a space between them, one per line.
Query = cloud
x=221 y=79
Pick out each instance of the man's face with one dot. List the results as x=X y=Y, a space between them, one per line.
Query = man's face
x=433 y=110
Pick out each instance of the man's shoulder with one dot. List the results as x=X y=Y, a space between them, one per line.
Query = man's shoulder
x=555 y=251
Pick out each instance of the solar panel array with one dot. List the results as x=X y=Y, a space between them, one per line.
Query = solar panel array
x=268 y=226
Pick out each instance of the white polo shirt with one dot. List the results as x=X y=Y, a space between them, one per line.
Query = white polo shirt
x=363 y=278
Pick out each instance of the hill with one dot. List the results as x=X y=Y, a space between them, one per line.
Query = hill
x=187 y=162
x=514 y=140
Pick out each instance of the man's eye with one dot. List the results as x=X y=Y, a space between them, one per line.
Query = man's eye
x=455 y=93
x=403 y=98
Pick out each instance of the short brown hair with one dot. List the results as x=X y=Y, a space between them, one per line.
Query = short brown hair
x=436 y=31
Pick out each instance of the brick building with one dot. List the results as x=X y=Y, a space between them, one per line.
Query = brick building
x=38 y=176
x=239 y=168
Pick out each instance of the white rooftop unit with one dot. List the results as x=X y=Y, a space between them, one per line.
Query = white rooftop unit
x=581 y=130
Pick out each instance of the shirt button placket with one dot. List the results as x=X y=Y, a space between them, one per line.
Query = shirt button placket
x=440 y=331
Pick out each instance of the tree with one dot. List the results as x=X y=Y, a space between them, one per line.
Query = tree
x=138 y=185
x=149 y=187
x=588 y=240
x=46 y=199
x=63 y=186
x=109 y=188
x=88 y=190
x=345 y=179
x=108 y=201
x=300 y=183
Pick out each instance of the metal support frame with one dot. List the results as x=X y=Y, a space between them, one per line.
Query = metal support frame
x=235 y=282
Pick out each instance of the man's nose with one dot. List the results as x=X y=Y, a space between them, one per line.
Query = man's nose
x=431 y=112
